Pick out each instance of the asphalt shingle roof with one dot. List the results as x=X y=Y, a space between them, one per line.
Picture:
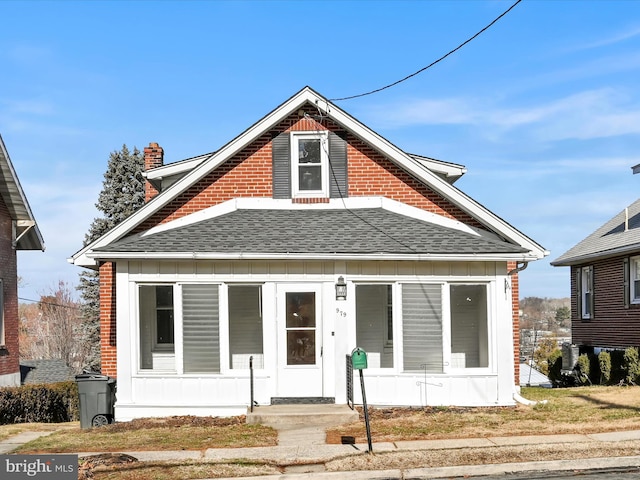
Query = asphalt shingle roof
x=45 y=371
x=323 y=231
x=616 y=236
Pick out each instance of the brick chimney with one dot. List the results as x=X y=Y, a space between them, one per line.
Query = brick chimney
x=153 y=158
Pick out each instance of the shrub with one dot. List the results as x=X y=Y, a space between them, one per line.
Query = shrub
x=631 y=365
x=69 y=392
x=583 y=367
x=555 y=366
x=53 y=403
x=604 y=361
x=618 y=372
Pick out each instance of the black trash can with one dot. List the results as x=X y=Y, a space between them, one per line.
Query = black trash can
x=97 y=394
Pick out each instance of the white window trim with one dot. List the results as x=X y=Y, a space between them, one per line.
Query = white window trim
x=634 y=276
x=225 y=365
x=167 y=347
x=449 y=367
x=324 y=165
x=586 y=287
x=176 y=352
x=396 y=320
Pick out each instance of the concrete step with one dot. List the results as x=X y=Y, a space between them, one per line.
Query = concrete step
x=284 y=417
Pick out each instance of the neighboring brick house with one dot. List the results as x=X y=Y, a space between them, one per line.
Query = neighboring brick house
x=18 y=231
x=605 y=284
x=304 y=237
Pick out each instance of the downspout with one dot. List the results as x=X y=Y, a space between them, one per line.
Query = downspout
x=524 y=401
x=521 y=267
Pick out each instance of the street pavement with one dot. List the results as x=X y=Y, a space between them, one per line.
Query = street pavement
x=307 y=445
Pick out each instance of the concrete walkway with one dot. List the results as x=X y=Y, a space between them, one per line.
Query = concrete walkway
x=9 y=444
x=306 y=445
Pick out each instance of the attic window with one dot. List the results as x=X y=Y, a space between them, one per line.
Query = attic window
x=309 y=164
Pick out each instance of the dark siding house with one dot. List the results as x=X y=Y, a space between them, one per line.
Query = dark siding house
x=605 y=284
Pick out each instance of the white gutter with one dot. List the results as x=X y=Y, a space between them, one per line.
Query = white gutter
x=520 y=257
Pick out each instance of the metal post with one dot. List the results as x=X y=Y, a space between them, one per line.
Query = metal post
x=251 y=379
x=366 y=412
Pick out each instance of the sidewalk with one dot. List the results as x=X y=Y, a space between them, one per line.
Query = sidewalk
x=306 y=445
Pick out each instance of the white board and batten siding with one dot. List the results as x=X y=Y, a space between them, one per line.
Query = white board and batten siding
x=175 y=392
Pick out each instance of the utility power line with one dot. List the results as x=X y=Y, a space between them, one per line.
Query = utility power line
x=432 y=63
x=49 y=303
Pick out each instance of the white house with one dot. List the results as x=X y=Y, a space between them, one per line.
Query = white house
x=244 y=252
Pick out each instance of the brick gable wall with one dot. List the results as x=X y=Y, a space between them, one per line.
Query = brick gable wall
x=249 y=174
x=9 y=356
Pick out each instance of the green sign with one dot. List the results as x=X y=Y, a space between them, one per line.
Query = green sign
x=359 y=358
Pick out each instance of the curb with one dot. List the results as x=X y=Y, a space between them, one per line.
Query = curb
x=463 y=471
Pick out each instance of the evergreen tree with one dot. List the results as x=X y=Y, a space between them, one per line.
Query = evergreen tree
x=563 y=317
x=122 y=194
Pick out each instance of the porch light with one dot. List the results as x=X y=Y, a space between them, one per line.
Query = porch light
x=341 y=289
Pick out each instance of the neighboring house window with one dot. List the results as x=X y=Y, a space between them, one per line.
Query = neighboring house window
x=309 y=165
x=469 y=326
x=374 y=324
x=1 y=313
x=584 y=293
x=422 y=327
x=245 y=326
x=634 y=284
x=157 y=327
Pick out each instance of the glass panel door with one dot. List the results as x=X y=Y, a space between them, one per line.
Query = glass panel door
x=299 y=324
x=301 y=328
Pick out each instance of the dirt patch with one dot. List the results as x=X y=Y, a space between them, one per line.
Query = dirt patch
x=88 y=464
x=175 y=422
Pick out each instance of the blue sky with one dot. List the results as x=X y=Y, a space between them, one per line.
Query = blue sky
x=543 y=108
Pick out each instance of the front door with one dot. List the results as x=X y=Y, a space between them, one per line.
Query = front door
x=299 y=341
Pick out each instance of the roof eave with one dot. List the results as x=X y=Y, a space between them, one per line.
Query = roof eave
x=590 y=257
x=308 y=95
x=129 y=256
x=30 y=237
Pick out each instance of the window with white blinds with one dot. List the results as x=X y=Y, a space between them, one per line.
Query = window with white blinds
x=201 y=328
x=469 y=326
x=374 y=324
x=422 y=327
x=245 y=326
